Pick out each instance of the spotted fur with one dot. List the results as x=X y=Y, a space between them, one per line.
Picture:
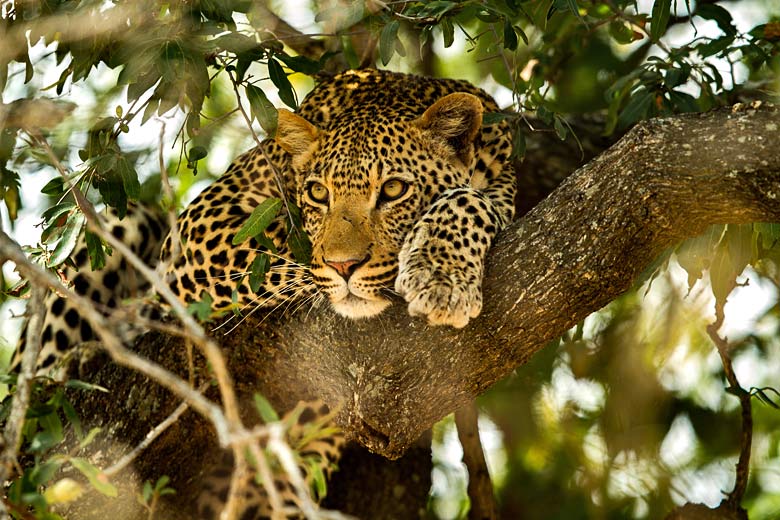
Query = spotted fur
x=354 y=134
x=401 y=189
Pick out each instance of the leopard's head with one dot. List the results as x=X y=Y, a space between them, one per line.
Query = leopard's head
x=363 y=184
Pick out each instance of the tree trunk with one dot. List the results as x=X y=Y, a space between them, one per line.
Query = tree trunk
x=393 y=377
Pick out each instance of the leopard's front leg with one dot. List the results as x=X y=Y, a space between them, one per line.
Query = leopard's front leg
x=442 y=260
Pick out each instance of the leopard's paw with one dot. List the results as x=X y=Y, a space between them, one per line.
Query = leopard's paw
x=438 y=283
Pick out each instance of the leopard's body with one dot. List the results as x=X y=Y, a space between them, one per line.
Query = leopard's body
x=401 y=189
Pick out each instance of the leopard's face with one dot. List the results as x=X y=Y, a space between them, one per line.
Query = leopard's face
x=363 y=186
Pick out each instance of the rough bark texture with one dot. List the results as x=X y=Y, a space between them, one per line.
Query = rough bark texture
x=394 y=376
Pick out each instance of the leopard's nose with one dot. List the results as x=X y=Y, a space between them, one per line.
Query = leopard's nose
x=347 y=267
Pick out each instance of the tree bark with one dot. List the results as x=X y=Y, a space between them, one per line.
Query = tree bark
x=394 y=376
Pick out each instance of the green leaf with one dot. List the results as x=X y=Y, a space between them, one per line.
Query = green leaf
x=387 y=41
x=202 y=308
x=675 y=76
x=447 y=32
x=234 y=42
x=262 y=109
x=96 y=250
x=762 y=396
x=297 y=239
x=518 y=143
x=97 y=478
x=574 y=8
x=72 y=417
x=715 y=46
x=770 y=233
x=147 y=492
x=694 y=255
x=621 y=32
x=510 y=38
x=282 y=82
x=257 y=272
x=301 y=64
x=161 y=483
x=659 y=18
x=683 y=102
x=545 y=114
x=492 y=118
x=560 y=128
x=267 y=412
x=45 y=471
x=264 y=241
x=259 y=220
x=55 y=217
x=44 y=440
x=318 y=481
x=68 y=240
x=636 y=108
x=86 y=441
x=129 y=177
x=723 y=276
x=55 y=187
x=717 y=13
x=197 y=153
x=739 y=238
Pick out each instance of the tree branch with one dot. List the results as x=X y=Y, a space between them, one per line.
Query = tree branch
x=480 y=488
x=577 y=250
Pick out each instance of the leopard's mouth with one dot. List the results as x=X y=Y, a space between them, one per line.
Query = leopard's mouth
x=356 y=307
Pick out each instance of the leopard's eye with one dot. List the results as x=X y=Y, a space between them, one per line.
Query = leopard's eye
x=393 y=189
x=318 y=192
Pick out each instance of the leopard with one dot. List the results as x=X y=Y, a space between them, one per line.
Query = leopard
x=397 y=181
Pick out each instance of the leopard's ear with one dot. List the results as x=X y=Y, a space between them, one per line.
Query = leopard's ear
x=294 y=133
x=456 y=119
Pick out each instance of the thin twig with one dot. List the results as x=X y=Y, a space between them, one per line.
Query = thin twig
x=150 y=437
x=480 y=489
x=168 y=193
x=279 y=447
x=734 y=498
x=12 y=435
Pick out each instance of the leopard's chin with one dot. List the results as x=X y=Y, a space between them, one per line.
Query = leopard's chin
x=355 y=307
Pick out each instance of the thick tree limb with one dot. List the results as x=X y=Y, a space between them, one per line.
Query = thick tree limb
x=572 y=254
x=577 y=250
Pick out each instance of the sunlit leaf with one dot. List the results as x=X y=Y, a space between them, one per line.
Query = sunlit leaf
x=695 y=255
x=68 y=240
